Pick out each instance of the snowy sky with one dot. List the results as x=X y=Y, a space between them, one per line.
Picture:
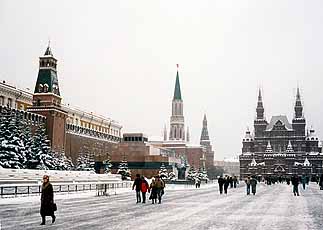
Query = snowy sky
x=118 y=59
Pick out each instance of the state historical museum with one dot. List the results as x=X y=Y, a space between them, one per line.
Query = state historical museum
x=280 y=148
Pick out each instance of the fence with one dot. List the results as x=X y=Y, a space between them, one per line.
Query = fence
x=102 y=188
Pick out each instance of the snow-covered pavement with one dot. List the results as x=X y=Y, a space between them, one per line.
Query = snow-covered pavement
x=273 y=207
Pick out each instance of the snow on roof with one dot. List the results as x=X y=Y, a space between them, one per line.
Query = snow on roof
x=282 y=118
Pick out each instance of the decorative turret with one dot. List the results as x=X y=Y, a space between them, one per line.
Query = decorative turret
x=298 y=105
x=248 y=137
x=299 y=121
x=177 y=131
x=268 y=148
x=253 y=162
x=289 y=148
x=205 y=133
x=260 y=122
x=306 y=162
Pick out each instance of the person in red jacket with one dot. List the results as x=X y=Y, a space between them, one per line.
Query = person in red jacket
x=144 y=188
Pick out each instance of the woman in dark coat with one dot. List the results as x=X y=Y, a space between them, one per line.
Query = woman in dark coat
x=47 y=201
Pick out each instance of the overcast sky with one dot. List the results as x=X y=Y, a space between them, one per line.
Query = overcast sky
x=118 y=59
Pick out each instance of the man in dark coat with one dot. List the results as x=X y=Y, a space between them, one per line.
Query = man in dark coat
x=295 y=182
x=226 y=184
x=221 y=182
x=47 y=201
x=253 y=183
x=137 y=184
x=321 y=182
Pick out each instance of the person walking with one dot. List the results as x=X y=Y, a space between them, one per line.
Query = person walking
x=226 y=184
x=295 y=182
x=197 y=182
x=137 y=184
x=231 y=181
x=47 y=205
x=247 y=180
x=253 y=183
x=159 y=188
x=144 y=188
x=303 y=180
x=221 y=182
x=153 y=192
x=235 y=181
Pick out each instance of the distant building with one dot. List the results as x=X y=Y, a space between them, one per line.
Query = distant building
x=281 y=148
x=230 y=166
x=142 y=157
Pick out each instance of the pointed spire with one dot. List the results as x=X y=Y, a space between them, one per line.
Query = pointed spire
x=298 y=95
x=48 y=51
x=188 y=135
x=260 y=108
x=177 y=91
x=298 y=105
x=165 y=133
x=205 y=132
x=259 y=96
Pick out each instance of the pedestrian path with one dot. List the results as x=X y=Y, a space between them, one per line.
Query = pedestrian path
x=273 y=207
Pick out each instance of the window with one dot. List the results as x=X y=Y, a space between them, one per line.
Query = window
x=1 y=100
x=46 y=88
x=9 y=102
x=40 y=88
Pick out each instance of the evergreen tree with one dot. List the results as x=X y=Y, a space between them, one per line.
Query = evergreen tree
x=163 y=172
x=26 y=136
x=123 y=170
x=12 y=150
x=85 y=162
x=61 y=162
x=107 y=165
x=171 y=176
x=202 y=175
x=191 y=174
x=41 y=154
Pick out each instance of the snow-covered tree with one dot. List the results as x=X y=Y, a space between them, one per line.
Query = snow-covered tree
x=163 y=172
x=171 y=176
x=85 y=162
x=202 y=175
x=123 y=170
x=107 y=166
x=12 y=149
x=41 y=154
x=61 y=162
x=192 y=174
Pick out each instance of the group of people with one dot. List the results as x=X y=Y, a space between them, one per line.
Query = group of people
x=156 y=189
x=227 y=181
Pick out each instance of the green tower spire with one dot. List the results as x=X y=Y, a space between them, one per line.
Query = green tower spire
x=177 y=92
